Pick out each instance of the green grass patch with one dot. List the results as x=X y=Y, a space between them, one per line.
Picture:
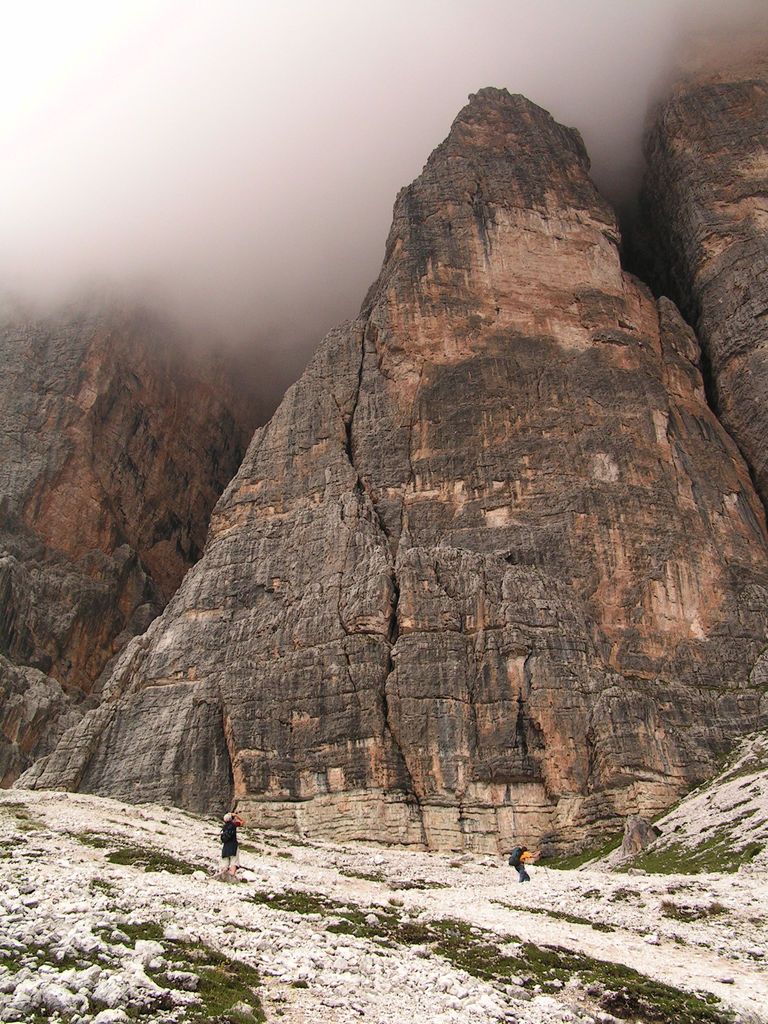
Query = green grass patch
x=223 y=983
x=250 y=848
x=38 y=1018
x=18 y=810
x=624 y=992
x=294 y=902
x=679 y=912
x=12 y=964
x=417 y=883
x=717 y=853
x=293 y=841
x=151 y=860
x=626 y=896
x=561 y=915
x=104 y=887
x=36 y=957
x=16 y=807
x=135 y=930
x=94 y=839
x=756 y=763
x=368 y=876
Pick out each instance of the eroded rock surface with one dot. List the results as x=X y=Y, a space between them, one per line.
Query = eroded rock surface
x=115 y=442
x=706 y=209
x=492 y=571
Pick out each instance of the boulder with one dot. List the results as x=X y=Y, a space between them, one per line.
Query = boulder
x=638 y=834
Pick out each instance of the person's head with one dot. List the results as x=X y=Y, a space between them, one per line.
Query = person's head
x=227 y=817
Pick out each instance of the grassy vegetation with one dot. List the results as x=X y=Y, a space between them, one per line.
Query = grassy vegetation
x=16 y=807
x=104 y=887
x=295 y=902
x=623 y=992
x=12 y=964
x=94 y=839
x=368 y=876
x=35 y=957
x=561 y=915
x=223 y=984
x=379 y=876
x=151 y=860
x=144 y=930
x=756 y=762
x=22 y=814
x=418 y=883
x=679 y=912
x=38 y=1018
x=277 y=841
x=716 y=853
x=139 y=857
x=625 y=896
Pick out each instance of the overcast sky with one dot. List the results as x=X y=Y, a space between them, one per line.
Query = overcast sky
x=243 y=156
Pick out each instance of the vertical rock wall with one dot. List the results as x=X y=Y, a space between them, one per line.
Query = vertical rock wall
x=492 y=570
x=705 y=207
x=115 y=441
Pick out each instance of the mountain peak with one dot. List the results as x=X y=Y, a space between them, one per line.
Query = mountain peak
x=484 y=578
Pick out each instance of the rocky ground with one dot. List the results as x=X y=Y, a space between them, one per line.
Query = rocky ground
x=113 y=912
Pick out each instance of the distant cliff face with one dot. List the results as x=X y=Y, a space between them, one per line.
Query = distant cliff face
x=492 y=570
x=704 y=202
x=116 y=443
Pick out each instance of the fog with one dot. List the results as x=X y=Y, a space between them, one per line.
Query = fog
x=237 y=160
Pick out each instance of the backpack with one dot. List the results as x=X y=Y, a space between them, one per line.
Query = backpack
x=228 y=833
x=514 y=857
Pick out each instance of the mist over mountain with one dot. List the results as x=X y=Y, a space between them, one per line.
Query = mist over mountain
x=236 y=162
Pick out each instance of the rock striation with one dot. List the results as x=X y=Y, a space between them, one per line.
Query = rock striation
x=493 y=570
x=115 y=442
x=706 y=214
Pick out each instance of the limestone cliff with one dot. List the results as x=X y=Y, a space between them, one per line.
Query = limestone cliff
x=705 y=208
x=492 y=570
x=116 y=441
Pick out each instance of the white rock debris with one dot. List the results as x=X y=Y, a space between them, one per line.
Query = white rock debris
x=87 y=940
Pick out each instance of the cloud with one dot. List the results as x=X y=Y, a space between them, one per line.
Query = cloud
x=240 y=158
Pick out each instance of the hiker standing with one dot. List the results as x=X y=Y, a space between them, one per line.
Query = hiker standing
x=230 y=858
x=521 y=856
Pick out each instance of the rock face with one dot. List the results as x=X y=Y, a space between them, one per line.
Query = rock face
x=116 y=443
x=638 y=834
x=705 y=204
x=493 y=570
